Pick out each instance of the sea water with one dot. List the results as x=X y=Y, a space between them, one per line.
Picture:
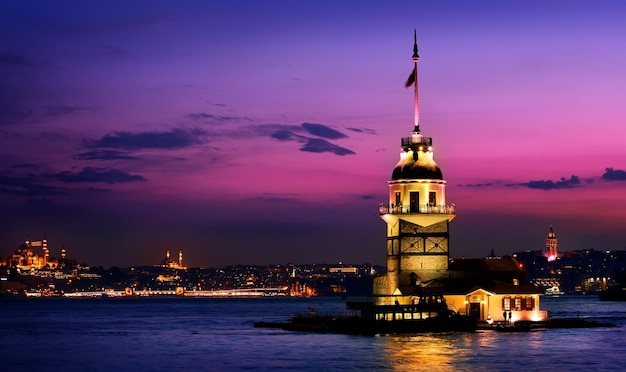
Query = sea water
x=211 y=334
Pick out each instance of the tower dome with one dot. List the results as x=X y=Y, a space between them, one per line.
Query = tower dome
x=416 y=160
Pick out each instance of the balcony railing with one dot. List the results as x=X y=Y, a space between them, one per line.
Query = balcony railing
x=421 y=209
x=417 y=140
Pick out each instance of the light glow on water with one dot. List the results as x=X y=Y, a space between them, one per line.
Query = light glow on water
x=218 y=334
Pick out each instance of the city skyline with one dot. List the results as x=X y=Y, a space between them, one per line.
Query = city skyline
x=257 y=133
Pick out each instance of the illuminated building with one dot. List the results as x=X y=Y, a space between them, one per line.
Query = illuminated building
x=171 y=263
x=551 y=246
x=26 y=257
x=418 y=256
x=417 y=215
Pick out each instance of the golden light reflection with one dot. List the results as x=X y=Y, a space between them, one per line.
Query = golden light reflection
x=427 y=352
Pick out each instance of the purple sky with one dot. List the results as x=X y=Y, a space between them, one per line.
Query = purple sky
x=265 y=132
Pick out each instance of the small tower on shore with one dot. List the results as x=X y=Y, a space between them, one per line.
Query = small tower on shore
x=416 y=215
x=551 y=246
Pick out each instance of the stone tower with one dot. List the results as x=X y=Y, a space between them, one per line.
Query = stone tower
x=416 y=215
x=551 y=246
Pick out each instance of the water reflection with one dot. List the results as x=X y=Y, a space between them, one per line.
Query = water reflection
x=432 y=352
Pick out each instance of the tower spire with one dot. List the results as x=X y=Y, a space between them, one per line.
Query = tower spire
x=416 y=58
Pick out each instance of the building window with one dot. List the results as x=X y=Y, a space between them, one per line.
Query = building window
x=432 y=198
x=518 y=304
x=506 y=303
x=398 y=198
x=529 y=303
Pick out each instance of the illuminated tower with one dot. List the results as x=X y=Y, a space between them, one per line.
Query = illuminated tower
x=180 y=258
x=46 y=252
x=417 y=216
x=551 y=245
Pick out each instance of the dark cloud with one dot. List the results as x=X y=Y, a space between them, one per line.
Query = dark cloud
x=89 y=174
x=315 y=145
x=173 y=139
x=321 y=130
x=318 y=145
x=611 y=174
x=563 y=183
x=285 y=135
x=13 y=60
x=105 y=155
x=362 y=130
x=489 y=184
x=59 y=110
x=27 y=186
x=216 y=118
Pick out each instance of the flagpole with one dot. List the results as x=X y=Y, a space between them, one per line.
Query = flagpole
x=416 y=58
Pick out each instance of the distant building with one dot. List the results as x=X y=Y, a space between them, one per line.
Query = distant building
x=551 y=246
x=418 y=255
x=171 y=263
x=35 y=255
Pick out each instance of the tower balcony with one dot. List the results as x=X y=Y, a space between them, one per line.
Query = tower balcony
x=417 y=140
x=419 y=209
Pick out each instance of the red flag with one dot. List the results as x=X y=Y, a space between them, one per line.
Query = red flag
x=411 y=79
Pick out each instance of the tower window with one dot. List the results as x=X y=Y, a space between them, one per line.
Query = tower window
x=432 y=198
x=398 y=198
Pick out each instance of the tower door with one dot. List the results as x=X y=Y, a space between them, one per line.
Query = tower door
x=414 y=201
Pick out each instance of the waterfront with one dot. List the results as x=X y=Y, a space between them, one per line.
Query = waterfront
x=158 y=334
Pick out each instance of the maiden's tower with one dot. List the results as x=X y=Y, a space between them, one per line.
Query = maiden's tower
x=416 y=215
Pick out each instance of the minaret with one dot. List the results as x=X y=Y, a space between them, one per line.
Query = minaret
x=417 y=216
x=551 y=246
x=180 y=258
x=46 y=252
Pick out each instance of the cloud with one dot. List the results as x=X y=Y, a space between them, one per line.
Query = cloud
x=367 y=197
x=318 y=145
x=324 y=131
x=285 y=135
x=611 y=174
x=488 y=184
x=173 y=139
x=89 y=174
x=563 y=183
x=105 y=155
x=27 y=186
x=315 y=145
x=216 y=118
x=60 y=110
x=362 y=130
